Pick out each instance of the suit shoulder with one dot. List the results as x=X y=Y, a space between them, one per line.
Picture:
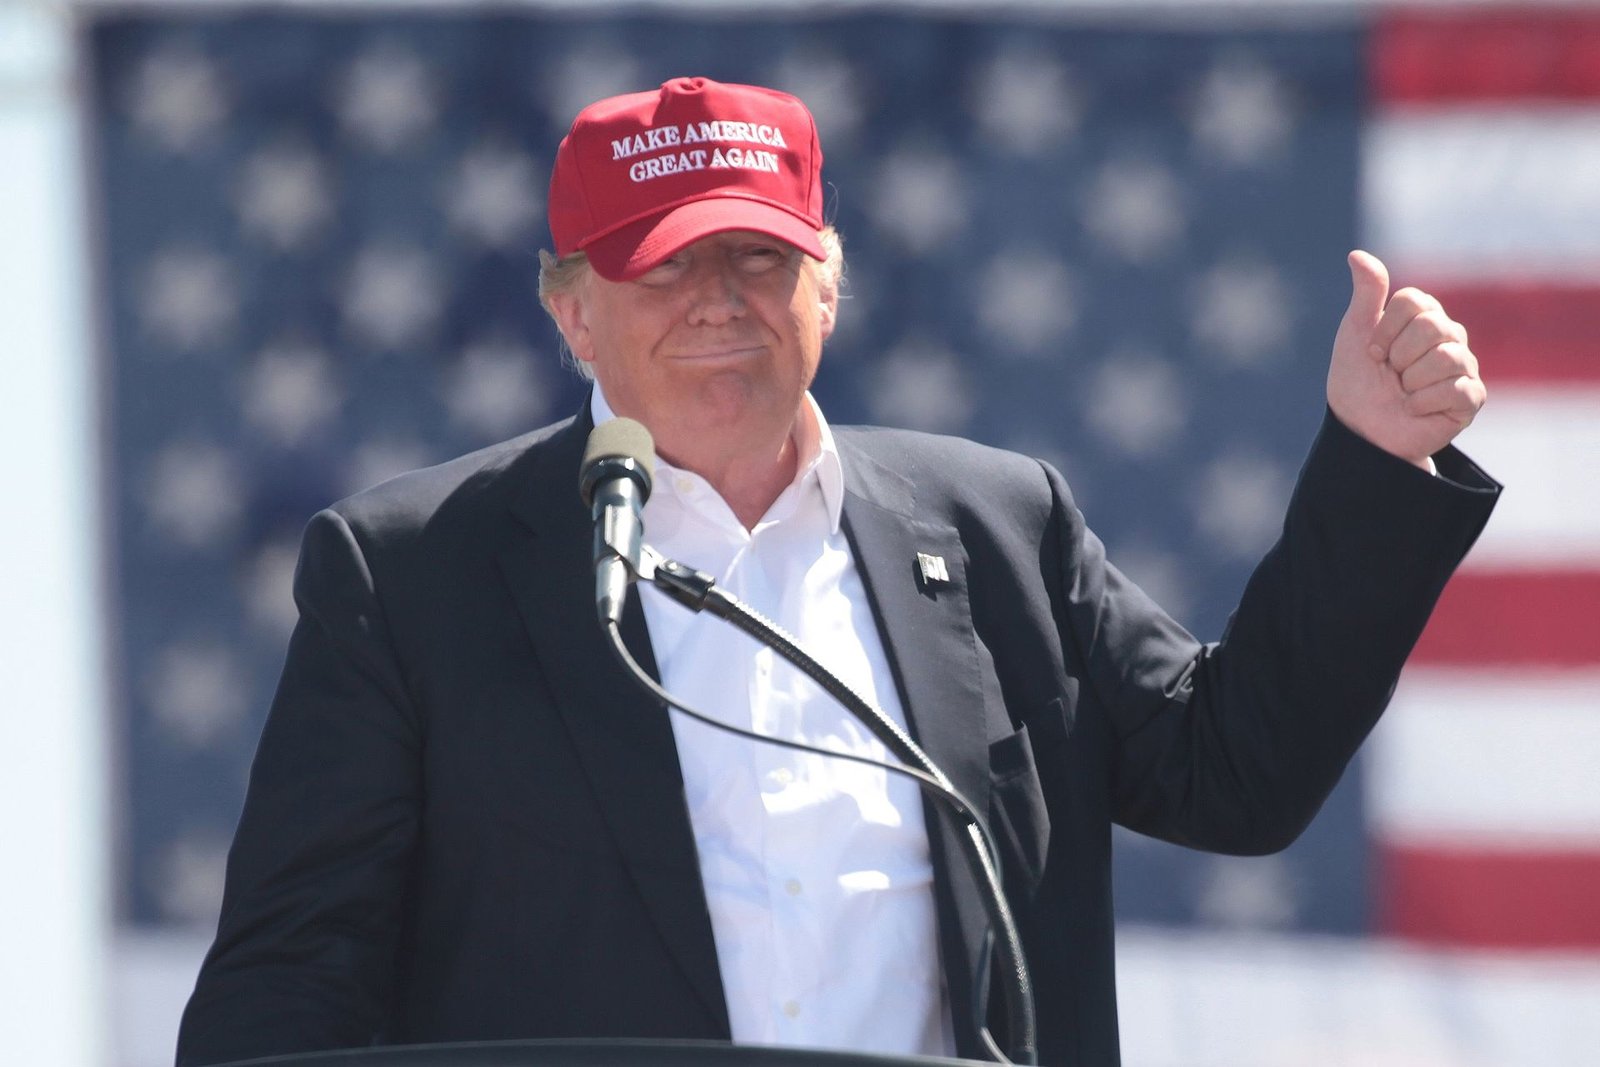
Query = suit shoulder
x=960 y=464
x=417 y=498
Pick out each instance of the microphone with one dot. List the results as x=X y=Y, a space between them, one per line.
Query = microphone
x=618 y=464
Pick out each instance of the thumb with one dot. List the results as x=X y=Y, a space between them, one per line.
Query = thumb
x=1369 y=290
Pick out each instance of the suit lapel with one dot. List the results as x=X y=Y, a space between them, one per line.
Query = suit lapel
x=622 y=736
x=624 y=739
x=926 y=626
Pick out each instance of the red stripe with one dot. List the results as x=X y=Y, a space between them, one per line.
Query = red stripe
x=1534 y=334
x=1498 y=55
x=1515 y=618
x=1490 y=899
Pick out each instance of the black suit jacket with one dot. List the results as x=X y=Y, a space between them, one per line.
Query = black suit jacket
x=464 y=822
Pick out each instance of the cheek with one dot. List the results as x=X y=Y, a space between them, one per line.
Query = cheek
x=806 y=307
x=805 y=320
x=625 y=337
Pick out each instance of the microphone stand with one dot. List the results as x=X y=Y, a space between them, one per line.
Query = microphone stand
x=698 y=592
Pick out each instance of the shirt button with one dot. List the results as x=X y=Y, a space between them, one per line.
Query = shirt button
x=792 y=887
x=781 y=776
x=791 y=1008
x=684 y=484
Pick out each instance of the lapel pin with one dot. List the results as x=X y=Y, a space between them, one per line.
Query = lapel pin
x=933 y=569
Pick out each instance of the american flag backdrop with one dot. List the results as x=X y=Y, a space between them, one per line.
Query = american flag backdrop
x=1116 y=244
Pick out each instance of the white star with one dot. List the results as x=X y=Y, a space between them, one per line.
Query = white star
x=1242 y=113
x=379 y=460
x=919 y=198
x=1027 y=299
x=176 y=98
x=196 y=692
x=830 y=87
x=584 y=75
x=392 y=296
x=493 y=197
x=1252 y=893
x=1242 y=311
x=1136 y=403
x=187 y=878
x=1163 y=576
x=268 y=587
x=386 y=98
x=289 y=392
x=1025 y=101
x=192 y=493
x=1239 y=503
x=921 y=386
x=1135 y=209
x=187 y=298
x=283 y=195
x=496 y=388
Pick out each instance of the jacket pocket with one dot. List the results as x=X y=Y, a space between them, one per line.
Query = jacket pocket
x=1017 y=814
x=1055 y=724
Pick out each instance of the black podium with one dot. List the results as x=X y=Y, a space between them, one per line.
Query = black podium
x=592 y=1053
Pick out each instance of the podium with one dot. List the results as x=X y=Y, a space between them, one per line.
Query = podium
x=610 y=1052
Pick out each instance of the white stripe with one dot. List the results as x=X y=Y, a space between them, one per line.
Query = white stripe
x=1185 y=998
x=1544 y=445
x=1263 y=1001
x=151 y=976
x=1462 y=193
x=1501 y=759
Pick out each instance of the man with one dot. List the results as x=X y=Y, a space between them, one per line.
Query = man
x=465 y=823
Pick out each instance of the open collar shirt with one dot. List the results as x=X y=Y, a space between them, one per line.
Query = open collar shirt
x=816 y=870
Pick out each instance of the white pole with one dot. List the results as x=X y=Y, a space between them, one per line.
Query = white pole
x=54 y=913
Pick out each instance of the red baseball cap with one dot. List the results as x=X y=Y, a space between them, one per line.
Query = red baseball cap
x=640 y=176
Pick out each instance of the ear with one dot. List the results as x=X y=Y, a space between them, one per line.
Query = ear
x=828 y=305
x=571 y=315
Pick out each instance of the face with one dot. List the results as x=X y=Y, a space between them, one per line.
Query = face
x=713 y=349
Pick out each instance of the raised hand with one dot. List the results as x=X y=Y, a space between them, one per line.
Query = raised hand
x=1402 y=375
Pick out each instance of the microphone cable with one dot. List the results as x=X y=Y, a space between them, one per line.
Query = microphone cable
x=981 y=850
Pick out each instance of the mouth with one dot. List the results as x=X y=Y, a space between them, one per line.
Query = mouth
x=719 y=353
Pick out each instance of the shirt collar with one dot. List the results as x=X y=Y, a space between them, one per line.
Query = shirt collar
x=819 y=453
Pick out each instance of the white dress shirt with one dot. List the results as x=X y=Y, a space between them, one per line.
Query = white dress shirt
x=816 y=870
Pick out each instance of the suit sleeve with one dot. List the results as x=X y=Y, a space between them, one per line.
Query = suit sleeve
x=1233 y=747
x=306 y=943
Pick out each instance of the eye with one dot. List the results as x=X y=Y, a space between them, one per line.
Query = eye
x=759 y=258
x=668 y=270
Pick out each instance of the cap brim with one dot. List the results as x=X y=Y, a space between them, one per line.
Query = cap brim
x=624 y=254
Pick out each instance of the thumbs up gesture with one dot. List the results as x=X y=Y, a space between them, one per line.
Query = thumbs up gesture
x=1402 y=375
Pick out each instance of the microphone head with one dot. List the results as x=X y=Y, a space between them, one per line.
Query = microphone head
x=620 y=444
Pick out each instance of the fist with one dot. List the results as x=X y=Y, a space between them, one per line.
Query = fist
x=1402 y=375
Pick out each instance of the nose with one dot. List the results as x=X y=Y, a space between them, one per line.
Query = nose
x=717 y=293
